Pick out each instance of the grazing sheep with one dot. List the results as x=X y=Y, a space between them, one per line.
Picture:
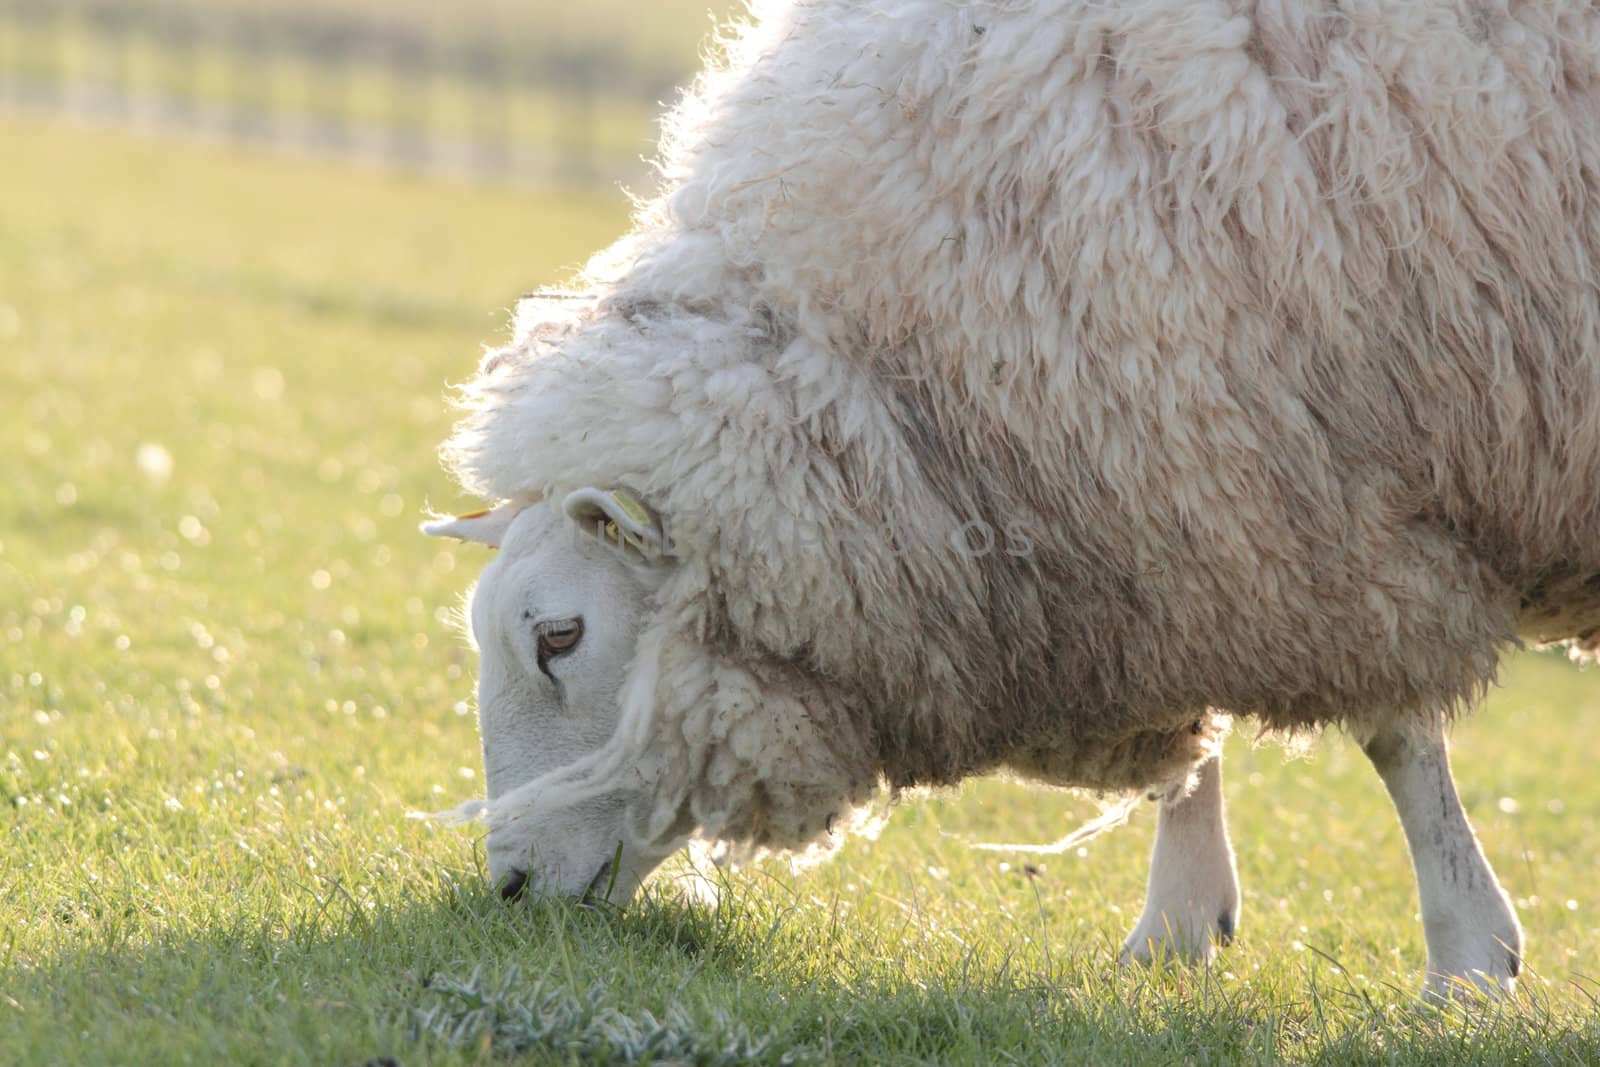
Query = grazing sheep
x=1006 y=385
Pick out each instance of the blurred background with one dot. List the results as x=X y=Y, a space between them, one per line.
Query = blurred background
x=530 y=91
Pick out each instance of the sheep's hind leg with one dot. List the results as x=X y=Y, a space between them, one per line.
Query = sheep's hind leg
x=1192 y=904
x=1474 y=941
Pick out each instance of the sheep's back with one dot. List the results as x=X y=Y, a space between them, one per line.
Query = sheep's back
x=1276 y=322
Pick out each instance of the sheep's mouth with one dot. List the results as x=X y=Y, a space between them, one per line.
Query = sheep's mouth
x=513 y=884
x=598 y=890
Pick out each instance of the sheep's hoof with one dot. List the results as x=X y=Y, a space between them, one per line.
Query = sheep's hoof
x=1475 y=985
x=1474 y=954
x=1192 y=935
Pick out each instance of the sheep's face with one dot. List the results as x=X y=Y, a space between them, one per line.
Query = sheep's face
x=555 y=617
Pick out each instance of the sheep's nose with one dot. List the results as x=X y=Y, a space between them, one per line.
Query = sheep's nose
x=512 y=885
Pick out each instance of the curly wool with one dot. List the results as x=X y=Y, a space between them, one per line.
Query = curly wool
x=1259 y=338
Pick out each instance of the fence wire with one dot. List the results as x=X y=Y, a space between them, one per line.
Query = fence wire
x=519 y=101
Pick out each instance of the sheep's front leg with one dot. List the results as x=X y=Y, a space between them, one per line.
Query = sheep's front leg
x=1192 y=904
x=1474 y=941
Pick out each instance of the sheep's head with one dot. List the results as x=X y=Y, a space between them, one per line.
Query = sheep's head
x=556 y=616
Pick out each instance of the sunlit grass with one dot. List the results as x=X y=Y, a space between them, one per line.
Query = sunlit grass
x=227 y=673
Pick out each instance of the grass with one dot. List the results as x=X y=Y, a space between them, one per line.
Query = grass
x=227 y=673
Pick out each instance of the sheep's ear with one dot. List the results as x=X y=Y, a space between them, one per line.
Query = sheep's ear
x=487 y=527
x=617 y=517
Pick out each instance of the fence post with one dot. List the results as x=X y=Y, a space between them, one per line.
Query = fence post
x=112 y=25
x=485 y=70
x=409 y=77
x=579 y=121
x=178 y=93
x=328 y=45
x=250 y=100
x=48 y=24
x=10 y=56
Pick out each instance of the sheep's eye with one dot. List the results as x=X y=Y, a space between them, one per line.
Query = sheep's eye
x=558 y=637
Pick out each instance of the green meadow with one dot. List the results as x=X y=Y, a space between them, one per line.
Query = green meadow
x=230 y=669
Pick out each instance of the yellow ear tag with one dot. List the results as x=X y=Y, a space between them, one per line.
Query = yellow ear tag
x=631 y=507
x=610 y=531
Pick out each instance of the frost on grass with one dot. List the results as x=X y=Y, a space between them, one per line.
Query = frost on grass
x=509 y=1016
